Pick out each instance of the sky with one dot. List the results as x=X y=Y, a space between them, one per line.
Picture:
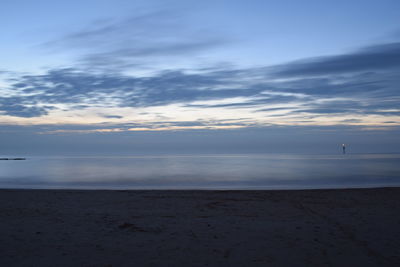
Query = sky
x=132 y=77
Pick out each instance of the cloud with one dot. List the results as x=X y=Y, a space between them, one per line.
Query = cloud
x=11 y=106
x=361 y=86
x=112 y=116
x=128 y=56
x=374 y=58
x=137 y=40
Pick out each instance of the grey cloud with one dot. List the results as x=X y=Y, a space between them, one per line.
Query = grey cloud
x=112 y=116
x=351 y=121
x=372 y=92
x=373 y=58
x=12 y=106
x=273 y=109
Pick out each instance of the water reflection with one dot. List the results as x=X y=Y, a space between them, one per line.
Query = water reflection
x=207 y=171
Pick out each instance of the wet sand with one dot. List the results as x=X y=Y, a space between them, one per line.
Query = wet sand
x=355 y=227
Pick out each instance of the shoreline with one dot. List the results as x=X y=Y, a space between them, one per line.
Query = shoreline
x=316 y=227
x=205 y=189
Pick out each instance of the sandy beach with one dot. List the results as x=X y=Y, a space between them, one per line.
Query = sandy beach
x=354 y=227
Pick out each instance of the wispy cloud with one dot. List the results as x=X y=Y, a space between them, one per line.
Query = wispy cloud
x=358 y=88
x=137 y=40
x=381 y=57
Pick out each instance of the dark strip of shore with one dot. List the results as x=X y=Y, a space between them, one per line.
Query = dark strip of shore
x=354 y=227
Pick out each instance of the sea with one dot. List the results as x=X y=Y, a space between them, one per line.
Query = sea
x=230 y=172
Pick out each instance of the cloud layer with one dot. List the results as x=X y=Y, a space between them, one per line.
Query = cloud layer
x=355 y=88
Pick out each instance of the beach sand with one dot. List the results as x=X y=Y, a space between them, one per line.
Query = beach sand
x=354 y=227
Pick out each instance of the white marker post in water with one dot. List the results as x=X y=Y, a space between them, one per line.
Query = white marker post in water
x=344 y=148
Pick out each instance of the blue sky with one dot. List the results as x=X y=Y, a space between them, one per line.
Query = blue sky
x=212 y=68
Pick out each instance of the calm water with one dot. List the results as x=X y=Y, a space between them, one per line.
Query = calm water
x=203 y=172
